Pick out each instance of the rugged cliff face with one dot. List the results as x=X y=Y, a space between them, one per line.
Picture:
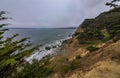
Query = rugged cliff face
x=94 y=50
x=100 y=29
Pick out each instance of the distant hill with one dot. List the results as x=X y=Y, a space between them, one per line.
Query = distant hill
x=67 y=28
x=45 y=28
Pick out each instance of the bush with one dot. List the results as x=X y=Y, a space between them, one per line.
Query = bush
x=78 y=57
x=90 y=35
x=91 y=48
x=84 y=42
x=74 y=64
x=66 y=68
x=38 y=69
x=76 y=33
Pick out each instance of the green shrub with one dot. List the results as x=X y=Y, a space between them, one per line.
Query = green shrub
x=78 y=57
x=90 y=35
x=66 y=68
x=38 y=69
x=76 y=33
x=91 y=48
x=74 y=64
x=84 y=42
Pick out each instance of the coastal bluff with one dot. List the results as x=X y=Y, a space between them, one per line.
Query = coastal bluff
x=94 y=49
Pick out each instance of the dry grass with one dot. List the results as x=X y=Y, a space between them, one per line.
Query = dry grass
x=104 y=69
x=104 y=63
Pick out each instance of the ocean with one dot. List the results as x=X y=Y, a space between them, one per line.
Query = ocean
x=41 y=36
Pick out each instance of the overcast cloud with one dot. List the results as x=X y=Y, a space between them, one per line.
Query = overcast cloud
x=51 y=13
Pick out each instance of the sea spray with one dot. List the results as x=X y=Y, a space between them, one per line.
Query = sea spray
x=38 y=55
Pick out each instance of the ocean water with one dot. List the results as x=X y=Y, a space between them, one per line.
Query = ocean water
x=44 y=36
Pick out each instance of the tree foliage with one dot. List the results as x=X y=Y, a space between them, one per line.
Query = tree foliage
x=102 y=28
x=91 y=48
x=35 y=70
x=113 y=4
x=12 y=52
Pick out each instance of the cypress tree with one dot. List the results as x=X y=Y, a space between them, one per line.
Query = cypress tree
x=12 y=52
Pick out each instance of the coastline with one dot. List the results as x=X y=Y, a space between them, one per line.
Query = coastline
x=54 y=49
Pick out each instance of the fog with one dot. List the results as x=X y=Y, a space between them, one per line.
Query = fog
x=51 y=13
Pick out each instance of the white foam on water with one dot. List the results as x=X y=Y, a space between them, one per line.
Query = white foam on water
x=38 y=55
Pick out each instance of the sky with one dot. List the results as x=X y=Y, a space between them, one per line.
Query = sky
x=51 y=13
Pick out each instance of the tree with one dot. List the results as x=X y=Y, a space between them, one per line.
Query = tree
x=12 y=52
x=115 y=0
x=112 y=4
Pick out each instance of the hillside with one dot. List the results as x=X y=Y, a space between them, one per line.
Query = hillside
x=104 y=63
x=94 y=50
x=97 y=30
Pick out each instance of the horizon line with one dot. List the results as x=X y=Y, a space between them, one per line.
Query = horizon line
x=41 y=27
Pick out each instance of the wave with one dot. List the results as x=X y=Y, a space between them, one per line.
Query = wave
x=47 y=49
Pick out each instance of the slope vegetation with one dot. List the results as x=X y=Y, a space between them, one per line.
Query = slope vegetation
x=94 y=50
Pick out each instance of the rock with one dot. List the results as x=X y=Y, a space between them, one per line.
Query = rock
x=47 y=48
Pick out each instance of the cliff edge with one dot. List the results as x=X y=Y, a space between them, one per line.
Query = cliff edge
x=94 y=50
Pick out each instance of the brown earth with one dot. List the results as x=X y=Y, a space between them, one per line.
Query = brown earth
x=104 y=63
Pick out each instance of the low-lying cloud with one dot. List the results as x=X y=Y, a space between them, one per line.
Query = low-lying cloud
x=51 y=13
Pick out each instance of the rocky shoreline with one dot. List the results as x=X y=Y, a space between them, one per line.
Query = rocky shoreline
x=48 y=49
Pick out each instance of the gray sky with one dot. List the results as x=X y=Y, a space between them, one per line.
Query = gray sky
x=51 y=13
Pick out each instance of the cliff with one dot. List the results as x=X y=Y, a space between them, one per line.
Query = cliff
x=97 y=30
x=103 y=63
x=94 y=50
